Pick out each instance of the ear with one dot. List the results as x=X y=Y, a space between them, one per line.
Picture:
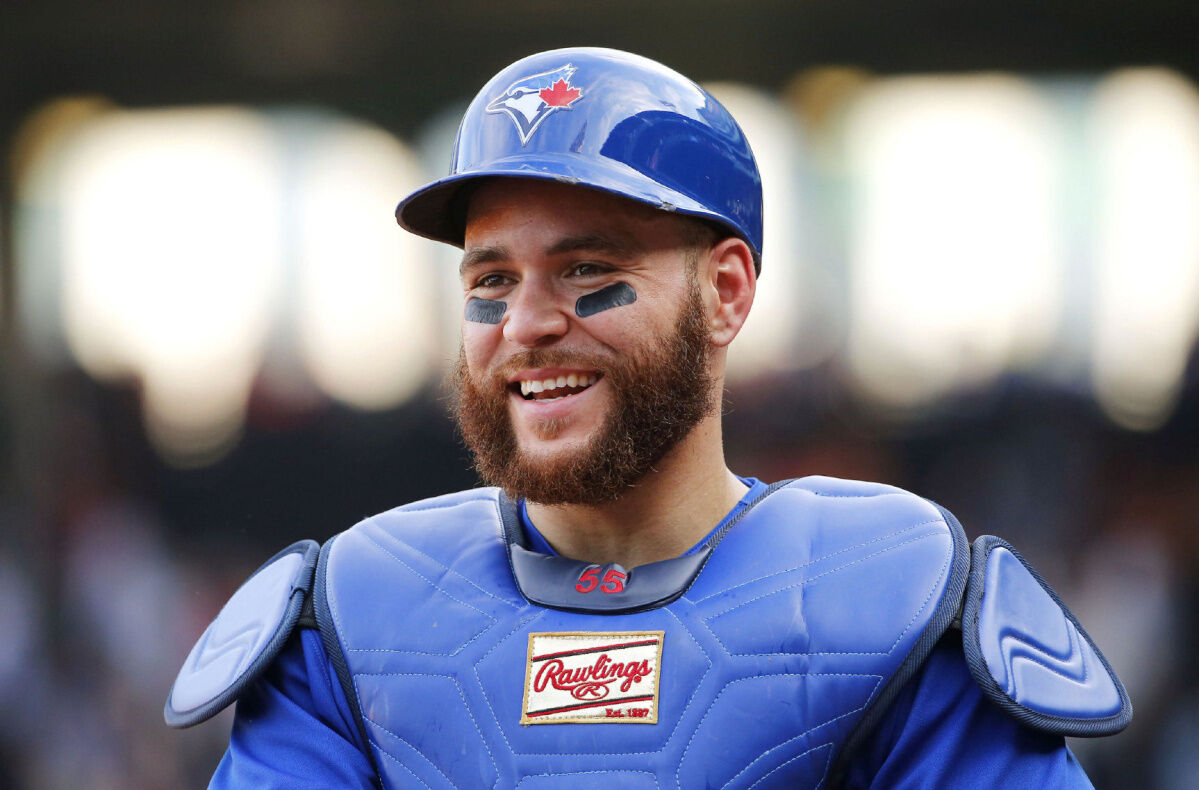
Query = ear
x=728 y=281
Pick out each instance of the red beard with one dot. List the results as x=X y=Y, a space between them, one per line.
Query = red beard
x=661 y=390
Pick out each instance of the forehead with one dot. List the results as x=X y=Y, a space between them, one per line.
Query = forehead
x=513 y=206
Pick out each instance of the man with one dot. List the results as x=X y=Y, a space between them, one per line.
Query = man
x=622 y=610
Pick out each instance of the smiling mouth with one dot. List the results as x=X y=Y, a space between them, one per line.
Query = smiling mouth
x=554 y=388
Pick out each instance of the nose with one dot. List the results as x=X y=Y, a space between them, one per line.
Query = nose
x=535 y=316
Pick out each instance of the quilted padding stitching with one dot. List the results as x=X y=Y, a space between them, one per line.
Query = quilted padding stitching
x=695 y=690
x=520 y=624
x=679 y=771
x=379 y=748
x=822 y=574
x=821 y=558
x=846 y=496
x=373 y=539
x=589 y=773
x=427 y=580
x=450 y=571
x=416 y=507
x=805 y=581
x=824 y=775
x=465 y=705
x=670 y=742
x=406 y=768
x=524 y=622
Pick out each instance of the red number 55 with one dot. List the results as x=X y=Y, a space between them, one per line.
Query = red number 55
x=613 y=581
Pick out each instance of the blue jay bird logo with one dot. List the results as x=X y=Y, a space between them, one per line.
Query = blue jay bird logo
x=531 y=100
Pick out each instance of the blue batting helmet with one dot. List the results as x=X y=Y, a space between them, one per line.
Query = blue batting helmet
x=603 y=119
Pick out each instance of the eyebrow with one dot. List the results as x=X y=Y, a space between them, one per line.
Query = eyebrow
x=482 y=255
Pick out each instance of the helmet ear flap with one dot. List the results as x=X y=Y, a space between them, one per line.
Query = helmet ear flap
x=606 y=120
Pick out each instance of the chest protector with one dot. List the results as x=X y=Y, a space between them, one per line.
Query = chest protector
x=756 y=659
x=762 y=660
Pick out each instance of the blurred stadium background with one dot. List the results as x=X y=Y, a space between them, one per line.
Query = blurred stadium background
x=981 y=282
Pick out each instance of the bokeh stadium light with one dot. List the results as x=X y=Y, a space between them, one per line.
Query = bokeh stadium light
x=937 y=233
x=1146 y=283
x=786 y=307
x=367 y=310
x=190 y=242
x=955 y=241
x=171 y=262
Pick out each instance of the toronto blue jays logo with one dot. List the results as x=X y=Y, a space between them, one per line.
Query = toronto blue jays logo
x=531 y=100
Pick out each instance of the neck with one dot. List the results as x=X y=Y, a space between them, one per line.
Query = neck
x=666 y=513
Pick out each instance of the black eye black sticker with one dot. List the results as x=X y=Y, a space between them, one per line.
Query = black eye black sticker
x=614 y=295
x=485 y=311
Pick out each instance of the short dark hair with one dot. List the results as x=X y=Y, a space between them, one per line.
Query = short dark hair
x=699 y=234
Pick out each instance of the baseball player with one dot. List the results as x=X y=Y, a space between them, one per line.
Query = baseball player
x=620 y=609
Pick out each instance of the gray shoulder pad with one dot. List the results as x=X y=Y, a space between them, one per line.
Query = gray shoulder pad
x=1030 y=655
x=244 y=638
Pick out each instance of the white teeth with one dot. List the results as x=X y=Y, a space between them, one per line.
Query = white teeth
x=571 y=380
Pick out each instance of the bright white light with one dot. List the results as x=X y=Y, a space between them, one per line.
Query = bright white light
x=954 y=252
x=171 y=259
x=435 y=145
x=1146 y=126
x=367 y=299
x=779 y=334
x=38 y=153
x=182 y=230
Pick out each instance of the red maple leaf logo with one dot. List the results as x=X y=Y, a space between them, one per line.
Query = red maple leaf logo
x=560 y=94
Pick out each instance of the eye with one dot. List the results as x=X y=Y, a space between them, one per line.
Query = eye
x=491 y=280
x=588 y=269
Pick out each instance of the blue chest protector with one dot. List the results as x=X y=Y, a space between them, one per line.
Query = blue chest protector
x=778 y=645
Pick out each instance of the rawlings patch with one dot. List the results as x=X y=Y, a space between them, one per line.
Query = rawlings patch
x=531 y=100
x=592 y=678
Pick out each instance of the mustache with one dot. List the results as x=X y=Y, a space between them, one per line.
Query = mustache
x=550 y=358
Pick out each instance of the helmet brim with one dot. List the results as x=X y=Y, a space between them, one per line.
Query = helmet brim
x=438 y=210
